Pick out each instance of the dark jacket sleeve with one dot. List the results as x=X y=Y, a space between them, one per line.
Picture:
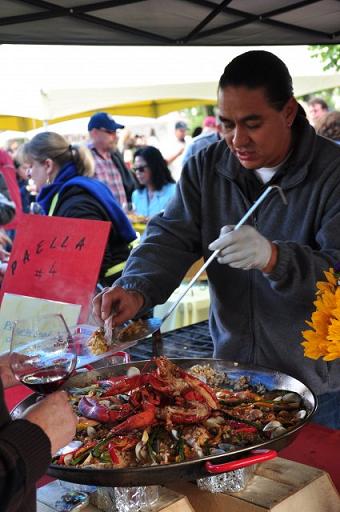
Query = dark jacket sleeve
x=75 y=203
x=7 y=206
x=25 y=452
x=128 y=179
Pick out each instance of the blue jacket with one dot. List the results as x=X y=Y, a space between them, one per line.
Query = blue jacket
x=142 y=204
x=198 y=143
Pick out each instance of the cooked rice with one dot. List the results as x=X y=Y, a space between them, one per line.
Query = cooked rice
x=137 y=328
x=212 y=377
x=97 y=343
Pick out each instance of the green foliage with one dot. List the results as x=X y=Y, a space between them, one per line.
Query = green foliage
x=196 y=115
x=328 y=54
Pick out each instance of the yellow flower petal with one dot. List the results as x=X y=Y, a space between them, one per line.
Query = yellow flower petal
x=330 y=276
x=322 y=286
x=323 y=339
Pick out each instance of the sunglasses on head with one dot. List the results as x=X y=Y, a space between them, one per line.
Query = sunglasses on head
x=140 y=169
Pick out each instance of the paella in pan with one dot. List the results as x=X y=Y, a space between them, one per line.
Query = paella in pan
x=138 y=420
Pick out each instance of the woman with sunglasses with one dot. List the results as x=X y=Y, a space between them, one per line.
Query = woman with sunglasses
x=63 y=175
x=156 y=185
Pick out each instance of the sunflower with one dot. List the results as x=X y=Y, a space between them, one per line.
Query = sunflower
x=323 y=339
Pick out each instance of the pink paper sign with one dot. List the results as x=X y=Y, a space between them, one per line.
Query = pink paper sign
x=56 y=258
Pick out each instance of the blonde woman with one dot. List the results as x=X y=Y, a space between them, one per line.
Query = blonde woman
x=63 y=175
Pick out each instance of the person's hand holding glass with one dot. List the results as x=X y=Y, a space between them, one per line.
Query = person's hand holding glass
x=42 y=357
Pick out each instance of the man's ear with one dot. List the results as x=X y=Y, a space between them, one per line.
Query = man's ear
x=291 y=109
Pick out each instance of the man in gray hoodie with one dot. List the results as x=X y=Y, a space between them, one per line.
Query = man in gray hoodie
x=263 y=283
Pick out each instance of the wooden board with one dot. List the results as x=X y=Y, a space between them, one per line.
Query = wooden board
x=278 y=486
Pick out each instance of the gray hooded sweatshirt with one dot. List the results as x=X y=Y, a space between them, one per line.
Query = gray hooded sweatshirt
x=254 y=317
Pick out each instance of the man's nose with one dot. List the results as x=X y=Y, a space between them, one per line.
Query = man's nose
x=240 y=136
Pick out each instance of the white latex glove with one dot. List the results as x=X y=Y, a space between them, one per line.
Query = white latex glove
x=244 y=248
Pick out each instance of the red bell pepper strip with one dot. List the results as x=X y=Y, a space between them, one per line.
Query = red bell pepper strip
x=248 y=430
x=113 y=454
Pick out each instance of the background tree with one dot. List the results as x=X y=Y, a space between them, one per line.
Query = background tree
x=328 y=54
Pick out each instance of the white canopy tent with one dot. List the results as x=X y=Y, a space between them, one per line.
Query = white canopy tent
x=48 y=84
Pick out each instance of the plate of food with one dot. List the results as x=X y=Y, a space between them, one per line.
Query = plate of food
x=91 y=344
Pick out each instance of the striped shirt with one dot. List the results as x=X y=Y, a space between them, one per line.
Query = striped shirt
x=108 y=173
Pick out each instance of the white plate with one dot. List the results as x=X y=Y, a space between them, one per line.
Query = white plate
x=81 y=335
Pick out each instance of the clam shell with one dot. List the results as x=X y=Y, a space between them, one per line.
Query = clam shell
x=91 y=431
x=174 y=434
x=215 y=421
x=291 y=397
x=301 y=414
x=140 y=451
x=132 y=371
x=105 y=403
x=69 y=447
x=278 y=432
x=272 y=425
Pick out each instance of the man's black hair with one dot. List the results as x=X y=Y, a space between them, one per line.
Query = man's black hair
x=260 y=69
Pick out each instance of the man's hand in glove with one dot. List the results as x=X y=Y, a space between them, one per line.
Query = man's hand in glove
x=245 y=249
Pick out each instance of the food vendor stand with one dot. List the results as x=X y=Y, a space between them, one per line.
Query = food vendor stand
x=275 y=482
x=200 y=23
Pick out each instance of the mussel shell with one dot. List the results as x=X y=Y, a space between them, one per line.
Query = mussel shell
x=226 y=447
x=217 y=451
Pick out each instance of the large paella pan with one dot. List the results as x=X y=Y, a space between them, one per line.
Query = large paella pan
x=273 y=385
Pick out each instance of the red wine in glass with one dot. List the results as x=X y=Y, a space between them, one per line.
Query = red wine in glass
x=42 y=353
x=47 y=380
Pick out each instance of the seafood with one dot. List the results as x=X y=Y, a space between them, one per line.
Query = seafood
x=92 y=408
x=168 y=379
x=164 y=414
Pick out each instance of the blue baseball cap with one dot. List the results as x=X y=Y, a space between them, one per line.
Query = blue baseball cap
x=102 y=120
x=181 y=125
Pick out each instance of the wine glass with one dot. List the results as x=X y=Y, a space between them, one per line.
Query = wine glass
x=42 y=355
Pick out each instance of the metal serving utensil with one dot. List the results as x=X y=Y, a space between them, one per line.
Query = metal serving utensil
x=131 y=331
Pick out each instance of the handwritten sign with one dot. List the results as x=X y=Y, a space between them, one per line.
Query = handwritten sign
x=19 y=307
x=56 y=258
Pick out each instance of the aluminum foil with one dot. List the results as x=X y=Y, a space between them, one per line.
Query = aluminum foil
x=127 y=499
x=135 y=499
x=232 y=481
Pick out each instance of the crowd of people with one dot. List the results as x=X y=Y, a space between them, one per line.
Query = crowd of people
x=192 y=193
